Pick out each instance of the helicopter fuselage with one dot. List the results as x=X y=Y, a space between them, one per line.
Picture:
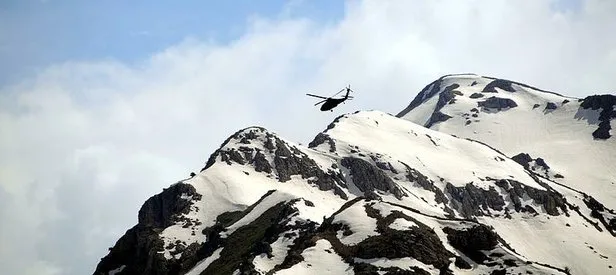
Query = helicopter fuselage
x=331 y=103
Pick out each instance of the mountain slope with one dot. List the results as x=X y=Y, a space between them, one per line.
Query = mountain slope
x=572 y=136
x=372 y=194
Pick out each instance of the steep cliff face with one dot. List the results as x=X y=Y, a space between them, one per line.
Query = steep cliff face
x=378 y=194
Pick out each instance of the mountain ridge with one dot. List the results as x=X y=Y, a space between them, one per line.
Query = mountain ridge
x=371 y=193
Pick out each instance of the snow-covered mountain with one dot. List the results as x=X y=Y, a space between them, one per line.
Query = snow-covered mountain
x=476 y=176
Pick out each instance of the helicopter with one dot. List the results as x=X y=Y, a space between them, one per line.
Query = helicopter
x=331 y=102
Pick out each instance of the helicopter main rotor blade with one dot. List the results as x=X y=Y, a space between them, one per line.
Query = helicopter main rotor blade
x=338 y=92
x=317 y=96
x=320 y=102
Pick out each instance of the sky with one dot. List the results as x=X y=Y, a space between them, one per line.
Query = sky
x=104 y=103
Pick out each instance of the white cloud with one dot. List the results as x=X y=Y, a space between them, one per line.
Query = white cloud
x=85 y=143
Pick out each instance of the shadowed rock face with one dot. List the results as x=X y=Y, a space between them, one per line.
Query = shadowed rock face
x=471 y=201
x=437 y=117
x=551 y=106
x=288 y=160
x=420 y=242
x=498 y=83
x=472 y=240
x=161 y=210
x=137 y=249
x=608 y=112
x=524 y=159
x=368 y=177
x=446 y=96
x=291 y=161
x=322 y=138
x=497 y=103
x=551 y=201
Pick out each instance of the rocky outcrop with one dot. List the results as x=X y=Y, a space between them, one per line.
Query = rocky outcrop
x=608 y=112
x=138 y=249
x=550 y=106
x=498 y=83
x=548 y=199
x=497 y=103
x=424 y=182
x=322 y=138
x=471 y=201
x=240 y=248
x=472 y=241
x=447 y=96
x=258 y=145
x=291 y=161
x=525 y=159
x=437 y=117
x=369 y=178
x=598 y=211
x=421 y=242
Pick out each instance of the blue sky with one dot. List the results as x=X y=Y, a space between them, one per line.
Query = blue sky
x=35 y=34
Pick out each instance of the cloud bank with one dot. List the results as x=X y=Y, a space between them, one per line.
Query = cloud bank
x=85 y=143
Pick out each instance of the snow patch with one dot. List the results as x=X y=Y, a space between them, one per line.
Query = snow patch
x=402 y=224
x=359 y=223
x=319 y=259
x=203 y=264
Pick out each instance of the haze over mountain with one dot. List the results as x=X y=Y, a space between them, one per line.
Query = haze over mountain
x=476 y=176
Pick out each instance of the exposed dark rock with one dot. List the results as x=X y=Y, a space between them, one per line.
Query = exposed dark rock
x=161 y=210
x=606 y=103
x=535 y=106
x=498 y=83
x=365 y=269
x=137 y=249
x=367 y=177
x=250 y=240
x=322 y=138
x=289 y=161
x=497 y=103
x=437 y=117
x=523 y=159
x=472 y=241
x=476 y=95
x=446 y=96
x=550 y=106
x=415 y=176
x=419 y=242
x=565 y=101
x=471 y=201
x=550 y=200
x=461 y=263
x=232 y=155
x=261 y=164
x=382 y=164
x=541 y=162
x=426 y=93
x=244 y=136
x=598 y=210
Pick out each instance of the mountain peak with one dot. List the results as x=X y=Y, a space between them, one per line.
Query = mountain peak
x=377 y=193
x=481 y=91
